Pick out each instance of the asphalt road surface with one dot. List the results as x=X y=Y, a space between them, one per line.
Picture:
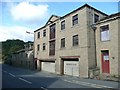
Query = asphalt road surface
x=13 y=77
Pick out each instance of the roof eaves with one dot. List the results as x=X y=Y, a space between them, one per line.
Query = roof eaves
x=47 y=22
x=40 y=28
x=44 y=26
x=85 y=5
x=51 y=17
x=109 y=18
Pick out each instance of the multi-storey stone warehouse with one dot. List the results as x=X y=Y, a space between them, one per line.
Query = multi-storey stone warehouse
x=82 y=40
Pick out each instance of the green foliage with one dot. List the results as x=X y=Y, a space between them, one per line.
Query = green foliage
x=11 y=46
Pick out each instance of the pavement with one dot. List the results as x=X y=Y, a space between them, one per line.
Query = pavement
x=23 y=78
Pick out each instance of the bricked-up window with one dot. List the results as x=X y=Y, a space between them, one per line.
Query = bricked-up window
x=104 y=33
x=75 y=19
x=62 y=42
x=44 y=46
x=96 y=18
x=38 y=47
x=52 y=48
x=44 y=33
x=63 y=25
x=52 y=31
x=75 y=40
x=38 y=35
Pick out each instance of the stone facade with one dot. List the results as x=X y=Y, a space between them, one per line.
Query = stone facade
x=23 y=58
x=87 y=52
x=112 y=45
x=84 y=51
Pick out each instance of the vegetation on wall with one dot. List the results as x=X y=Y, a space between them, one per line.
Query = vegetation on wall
x=11 y=46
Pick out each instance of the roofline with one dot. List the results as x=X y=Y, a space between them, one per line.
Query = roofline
x=85 y=5
x=51 y=17
x=44 y=26
x=109 y=18
x=39 y=28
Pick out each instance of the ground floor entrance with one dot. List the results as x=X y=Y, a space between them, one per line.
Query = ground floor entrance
x=105 y=61
x=70 y=66
x=48 y=66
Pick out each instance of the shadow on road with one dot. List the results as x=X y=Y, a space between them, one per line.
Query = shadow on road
x=18 y=70
x=38 y=79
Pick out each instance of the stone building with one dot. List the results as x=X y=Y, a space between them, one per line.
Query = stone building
x=108 y=44
x=67 y=45
x=24 y=58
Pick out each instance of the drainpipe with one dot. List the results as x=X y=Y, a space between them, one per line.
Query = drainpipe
x=93 y=26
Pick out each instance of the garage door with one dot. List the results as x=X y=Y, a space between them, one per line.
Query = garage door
x=71 y=68
x=48 y=66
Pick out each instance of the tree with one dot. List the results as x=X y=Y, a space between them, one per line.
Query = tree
x=11 y=46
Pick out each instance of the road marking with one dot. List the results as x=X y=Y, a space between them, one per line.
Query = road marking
x=25 y=80
x=11 y=74
x=87 y=84
x=44 y=88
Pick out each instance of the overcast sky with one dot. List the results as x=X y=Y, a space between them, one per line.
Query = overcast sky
x=19 y=17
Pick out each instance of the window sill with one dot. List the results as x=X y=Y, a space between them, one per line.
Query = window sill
x=51 y=55
x=76 y=46
x=105 y=41
x=76 y=25
x=52 y=39
x=62 y=48
x=62 y=30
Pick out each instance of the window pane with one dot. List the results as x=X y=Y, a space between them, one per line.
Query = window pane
x=43 y=46
x=105 y=33
x=52 y=48
x=44 y=33
x=38 y=47
x=75 y=40
x=62 y=42
x=52 y=31
x=75 y=19
x=96 y=18
x=63 y=25
x=38 y=36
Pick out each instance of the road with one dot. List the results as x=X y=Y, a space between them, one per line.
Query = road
x=13 y=77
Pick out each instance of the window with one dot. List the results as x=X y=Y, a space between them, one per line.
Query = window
x=75 y=40
x=63 y=25
x=38 y=47
x=38 y=36
x=63 y=43
x=96 y=18
x=43 y=46
x=75 y=19
x=44 y=33
x=52 y=31
x=52 y=48
x=104 y=33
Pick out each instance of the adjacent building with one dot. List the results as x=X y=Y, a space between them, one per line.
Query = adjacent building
x=70 y=45
x=108 y=44
x=24 y=57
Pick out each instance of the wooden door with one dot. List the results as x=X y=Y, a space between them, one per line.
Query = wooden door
x=105 y=62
